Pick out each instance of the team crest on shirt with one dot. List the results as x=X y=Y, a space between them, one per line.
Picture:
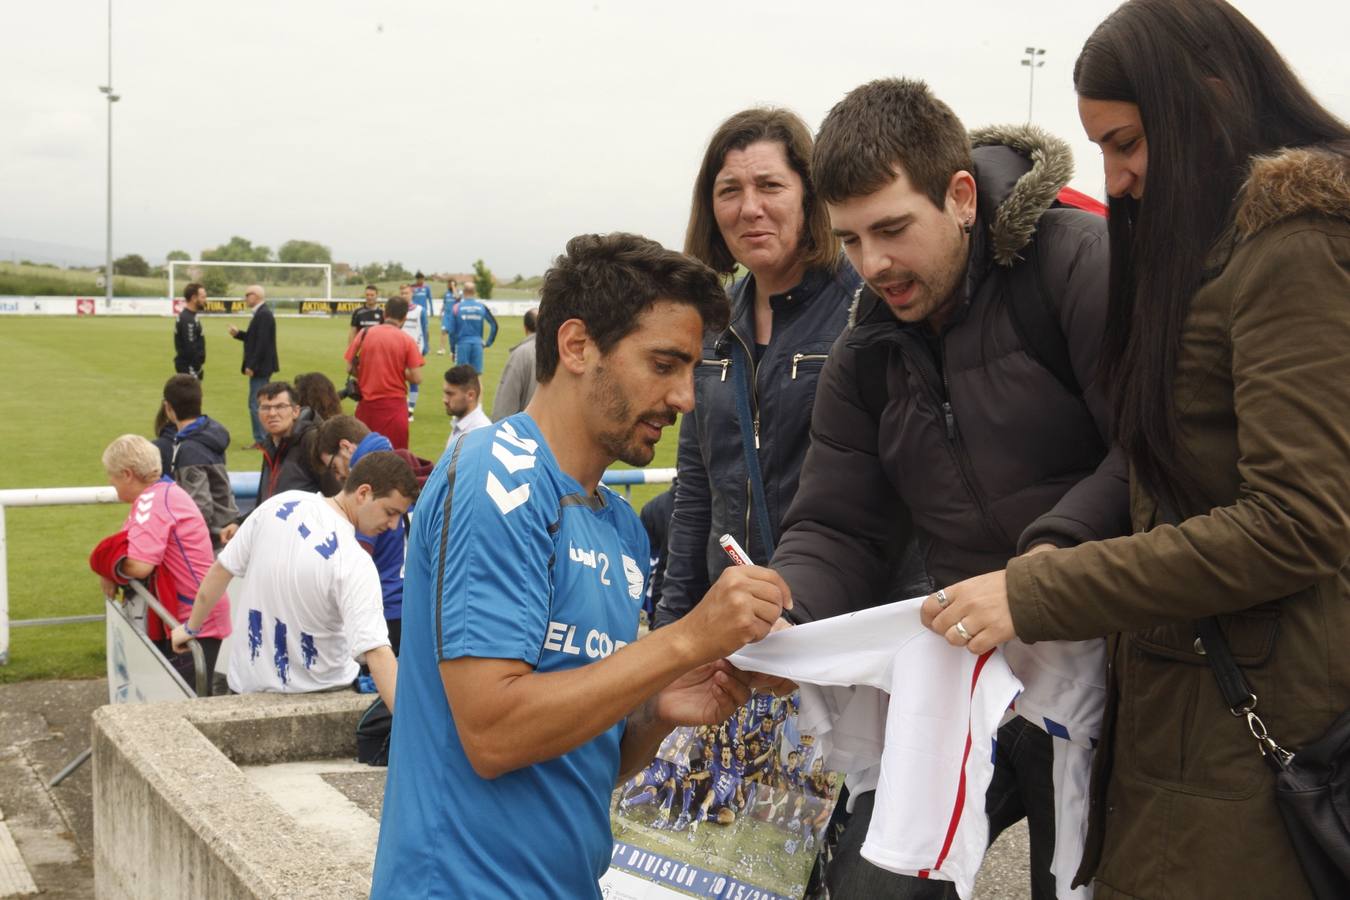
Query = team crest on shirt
x=634 y=576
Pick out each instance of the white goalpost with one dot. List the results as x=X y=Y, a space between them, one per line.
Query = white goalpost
x=326 y=267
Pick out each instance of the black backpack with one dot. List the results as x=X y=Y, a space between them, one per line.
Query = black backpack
x=372 y=734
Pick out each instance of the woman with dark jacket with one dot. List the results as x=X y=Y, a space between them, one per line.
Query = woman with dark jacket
x=1230 y=298
x=741 y=449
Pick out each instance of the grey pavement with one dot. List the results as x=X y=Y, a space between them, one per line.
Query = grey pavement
x=45 y=724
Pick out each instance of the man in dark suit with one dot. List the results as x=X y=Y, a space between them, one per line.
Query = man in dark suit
x=260 y=354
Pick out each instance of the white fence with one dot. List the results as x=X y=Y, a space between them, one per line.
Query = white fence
x=166 y=306
x=245 y=485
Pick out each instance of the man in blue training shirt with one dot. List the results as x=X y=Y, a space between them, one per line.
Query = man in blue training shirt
x=523 y=695
x=448 y=301
x=467 y=328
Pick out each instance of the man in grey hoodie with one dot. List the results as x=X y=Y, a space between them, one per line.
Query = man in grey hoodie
x=192 y=450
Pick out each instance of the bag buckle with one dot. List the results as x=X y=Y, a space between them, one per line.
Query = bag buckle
x=1264 y=741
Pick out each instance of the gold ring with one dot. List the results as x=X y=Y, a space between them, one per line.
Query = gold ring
x=961 y=630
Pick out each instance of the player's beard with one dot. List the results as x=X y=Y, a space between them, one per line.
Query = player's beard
x=620 y=439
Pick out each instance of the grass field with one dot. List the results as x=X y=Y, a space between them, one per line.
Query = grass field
x=31 y=280
x=71 y=385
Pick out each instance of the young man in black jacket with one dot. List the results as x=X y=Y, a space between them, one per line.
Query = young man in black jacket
x=192 y=453
x=260 y=354
x=959 y=409
x=189 y=344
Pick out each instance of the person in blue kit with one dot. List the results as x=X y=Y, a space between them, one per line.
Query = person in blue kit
x=451 y=296
x=467 y=328
x=341 y=443
x=524 y=696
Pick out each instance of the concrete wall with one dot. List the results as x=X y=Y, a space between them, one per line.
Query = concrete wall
x=174 y=817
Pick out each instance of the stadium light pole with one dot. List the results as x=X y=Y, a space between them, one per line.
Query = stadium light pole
x=107 y=90
x=1032 y=61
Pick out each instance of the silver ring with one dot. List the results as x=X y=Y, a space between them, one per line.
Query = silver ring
x=942 y=598
x=961 y=630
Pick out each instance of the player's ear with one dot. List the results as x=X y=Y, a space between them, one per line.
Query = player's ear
x=574 y=342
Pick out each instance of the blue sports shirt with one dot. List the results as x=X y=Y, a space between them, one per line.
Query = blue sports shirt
x=508 y=558
x=469 y=321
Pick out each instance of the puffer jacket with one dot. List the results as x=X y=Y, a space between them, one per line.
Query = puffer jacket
x=713 y=495
x=1182 y=802
x=975 y=447
x=195 y=458
x=288 y=464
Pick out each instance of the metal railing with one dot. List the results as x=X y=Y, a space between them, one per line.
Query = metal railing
x=245 y=485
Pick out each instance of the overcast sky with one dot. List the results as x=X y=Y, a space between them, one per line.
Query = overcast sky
x=435 y=133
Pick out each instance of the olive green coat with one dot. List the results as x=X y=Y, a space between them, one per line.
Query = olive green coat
x=1183 y=804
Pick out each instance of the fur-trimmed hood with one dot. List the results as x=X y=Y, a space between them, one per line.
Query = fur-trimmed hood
x=1293 y=182
x=1014 y=220
x=1019 y=172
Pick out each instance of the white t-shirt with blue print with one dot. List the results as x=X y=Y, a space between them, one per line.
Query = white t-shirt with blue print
x=508 y=558
x=310 y=605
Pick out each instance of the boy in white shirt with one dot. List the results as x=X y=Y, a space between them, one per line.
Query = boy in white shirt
x=310 y=609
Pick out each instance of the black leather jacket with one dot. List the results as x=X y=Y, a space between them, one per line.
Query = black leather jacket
x=713 y=494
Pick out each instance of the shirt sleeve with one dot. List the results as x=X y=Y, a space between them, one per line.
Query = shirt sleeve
x=148 y=533
x=362 y=604
x=235 y=555
x=491 y=563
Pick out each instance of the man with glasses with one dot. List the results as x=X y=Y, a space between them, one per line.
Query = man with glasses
x=287 y=447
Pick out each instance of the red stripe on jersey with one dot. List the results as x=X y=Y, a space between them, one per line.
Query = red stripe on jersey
x=959 y=807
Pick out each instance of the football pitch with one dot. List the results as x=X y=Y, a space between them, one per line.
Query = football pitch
x=72 y=384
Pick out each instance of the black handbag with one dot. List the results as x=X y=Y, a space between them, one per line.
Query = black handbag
x=1312 y=784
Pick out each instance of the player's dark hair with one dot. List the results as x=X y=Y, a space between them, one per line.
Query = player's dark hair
x=183 y=393
x=888 y=125
x=609 y=281
x=371 y=287
x=191 y=290
x=703 y=240
x=1212 y=93
x=530 y=321
x=317 y=391
x=276 y=389
x=329 y=436
x=385 y=471
x=464 y=376
x=396 y=308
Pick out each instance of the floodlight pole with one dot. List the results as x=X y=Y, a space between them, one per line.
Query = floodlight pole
x=1032 y=62
x=107 y=91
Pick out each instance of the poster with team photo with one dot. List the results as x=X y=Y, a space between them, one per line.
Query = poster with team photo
x=734 y=812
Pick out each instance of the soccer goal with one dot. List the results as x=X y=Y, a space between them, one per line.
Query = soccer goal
x=279 y=280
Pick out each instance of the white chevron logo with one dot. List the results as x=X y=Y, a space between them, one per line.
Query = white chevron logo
x=506 y=500
x=514 y=462
x=508 y=434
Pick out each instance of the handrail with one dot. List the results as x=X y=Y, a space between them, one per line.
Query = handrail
x=171 y=622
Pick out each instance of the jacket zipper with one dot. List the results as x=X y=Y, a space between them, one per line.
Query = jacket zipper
x=724 y=363
x=803 y=357
x=754 y=423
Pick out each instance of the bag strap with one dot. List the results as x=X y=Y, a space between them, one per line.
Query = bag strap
x=1237 y=693
x=750 y=451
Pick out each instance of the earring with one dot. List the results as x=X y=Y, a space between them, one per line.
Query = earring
x=969 y=226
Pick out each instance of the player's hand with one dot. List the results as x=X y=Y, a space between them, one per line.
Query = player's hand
x=248 y=372
x=228 y=532
x=703 y=696
x=741 y=608
x=109 y=587
x=180 y=639
x=980 y=605
x=233 y=331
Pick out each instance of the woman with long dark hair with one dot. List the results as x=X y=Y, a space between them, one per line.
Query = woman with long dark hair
x=1227 y=358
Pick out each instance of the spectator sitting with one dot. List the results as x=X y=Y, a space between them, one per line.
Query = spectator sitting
x=164 y=535
x=341 y=443
x=313 y=585
x=192 y=453
x=286 y=453
x=316 y=392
